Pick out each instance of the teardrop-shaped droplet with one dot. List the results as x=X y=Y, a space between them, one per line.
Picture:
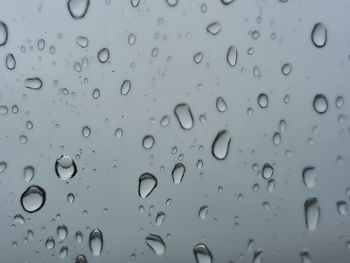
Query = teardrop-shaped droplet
x=178 y=172
x=10 y=61
x=65 y=167
x=82 y=41
x=221 y=145
x=96 y=242
x=86 y=131
x=257 y=258
x=96 y=93
x=202 y=253
x=81 y=259
x=28 y=173
x=160 y=218
x=312 y=213
x=125 y=87
x=309 y=176
x=78 y=8
x=103 y=55
x=184 y=116
x=155 y=243
x=221 y=104
x=263 y=100
x=320 y=103
x=214 y=28
x=203 y=212
x=148 y=142
x=3 y=33
x=286 y=69
x=232 y=56
x=147 y=183
x=33 y=83
x=342 y=207
x=198 y=57
x=319 y=35
x=305 y=257
x=62 y=232
x=50 y=243
x=33 y=198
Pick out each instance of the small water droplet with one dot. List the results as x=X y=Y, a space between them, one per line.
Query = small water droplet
x=221 y=104
x=28 y=173
x=96 y=242
x=63 y=252
x=86 y=131
x=82 y=41
x=286 y=69
x=203 y=212
x=227 y=2
x=62 y=232
x=202 y=253
x=160 y=218
x=18 y=219
x=81 y=259
x=50 y=243
x=33 y=198
x=198 y=57
x=221 y=145
x=319 y=35
x=125 y=87
x=184 y=116
x=33 y=83
x=65 y=167
x=305 y=257
x=70 y=198
x=3 y=33
x=155 y=243
x=214 y=28
x=103 y=55
x=148 y=142
x=79 y=237
x=320 y=103
x=309 y=176
x=263 y=100
x=78 y=8
x=165 y=121
x=147 y=183
x=232 y=56
x=257 y=258
x=342 y=207
x=96 y=93
x=10 y=61
x=339 y=102
x=118 y=133
x=312 y=213
x=267 y=171
x=178 y=172
x=3 y=166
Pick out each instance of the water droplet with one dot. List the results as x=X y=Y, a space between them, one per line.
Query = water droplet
x=263 y=100
x=202 y=253
x=309 y=176
x=63 y=252
x=41 y=44
x=267 y=171
x=125 y=87
x=65 y=167
x=214 y=28
x=184 y=116
x=96 y=242
x=155 y=243
x=178 y=172
x=78 y=8
x=18 y=219
x=135 y=3
x=232 y=56
x=131 y=39
x=81 y=259
x=103 y=55
x=10 y=61
x=320 y=103
x=221 y=104
x=319 y=35
x=305 y=257
x=96 y=93
x=172 y=3
x=342 y=207
x=50 y=243
x=221 y=145
x=227 y=2
x=165 y=121
x=3 y=33
x=79 y=237
x=160 y=218
x=118 y=133
x=203 y=212
x=257 y=258
x=82 y=41
x=33 y=83
x=70 y=198
x=148 y=142
x=147 y=183
x=28 y=173
x=33 y=198
x=339 y=102
x=86 y=131
x=62 y=232
x=312 y=213
x=198 y=57
x=276 y=138
x=286 y=69
x=3 y=166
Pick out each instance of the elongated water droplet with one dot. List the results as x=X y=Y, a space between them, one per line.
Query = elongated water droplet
x=125 y=87
x=319 y=35
x=86 y=131
x=50 y=243
x=221 y=104
x=257 y=258
x=198 y=57
x=320 y=103
x=10 y=61
x=312 y=213
x=202 y=253
x=214 y=28
x=62 y=232
x=221 y=145
x=342 y=207
x=28 y=173
x=147 y=183
x=96 y=93
x=305 y=257
x=103 y=55
x=263 y=100
x=160 y=218
x=309 y=176
x=65 y=167
x=203 y=212
x=178 y=172
x=276 y=138
x=148 y=142
x=79 y=237
x=33 y=198
x=3 y=166
x=232 y=56
x=96 y=242
x=63 y=252
x=155 y=243
x=3 y=33
x=78 y=8
x=184 y=116
x=33 y=83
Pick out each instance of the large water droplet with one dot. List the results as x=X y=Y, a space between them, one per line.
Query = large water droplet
x=148 y=142
x=214 y=28
x=232 y=56
x=202 y=253
x=309 y=176
x=263 y=100
x=178 y=172
x=319 y=35
x=65 y=167
x=28 y=173
x=125 y=87
x=78 y=8
x=312 y=213
x=221 y=145
x=156 y=244
x=96 y=242
x=267 y=171
x=3 y=33
x=33 y=199
x=184 y=116
x=147 y=183
x=103 y=55
x=33 y=83
x=320 y=103
x=10 y=61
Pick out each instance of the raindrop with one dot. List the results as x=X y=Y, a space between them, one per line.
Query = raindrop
x=33 y=198
x=33 y=83
x=125 y=87
x=198 y=57
x=267 y=171
x=96 y=242
x=78 y=8
x=339 y=102
x=41 y=44
x=172 y=3
x=28 y=173
x=18 y=219
x=79 y=237
x=184 y=116
x=86 y=131
x=65 y=167
x=232 y=55
x=312 y=213
x=214 y=28
x=342 y=207
x=3 y=33
x=319 y=35
x=309 y=176
x=263 y=100
x=257 y=258
x=221 y=145
x=221 y=104
x=96 y=93
x=305 y=257
x=131 y=39
x=203 y=212
x=178 y=173
x=70 y=198
x=276 y=138
x=155 y=243
x=202 y=253
x=3 y=166
x=81 y=259
x=62 y=232
x=10 y=61
x=63 y=252
x=286 y=69
x=148 y=142
x=135 y=3
x=50 y=243
x=227 y=2
x=82 y=41
x=118 y=133
x=320 y=103
x=160 y=218
x=103 y=55
x=147 y=183
x=165 y=121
